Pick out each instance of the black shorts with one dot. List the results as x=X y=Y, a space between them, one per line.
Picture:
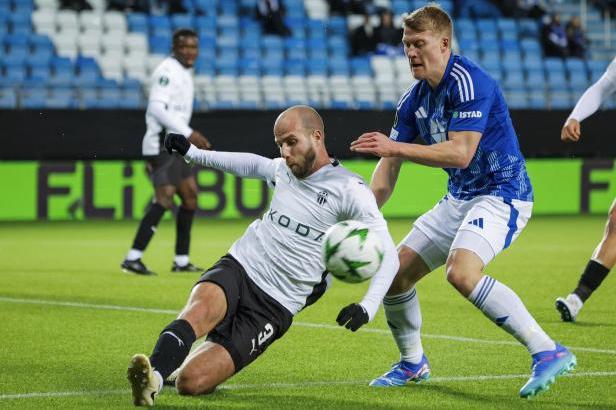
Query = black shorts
x=168 y=169
x=254 y=320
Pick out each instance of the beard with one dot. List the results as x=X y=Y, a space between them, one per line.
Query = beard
x=301 y=170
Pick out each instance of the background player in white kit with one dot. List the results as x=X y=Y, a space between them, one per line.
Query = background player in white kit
x=604 y=256
x=460 y=113
x=248 y=299
x=169 y=110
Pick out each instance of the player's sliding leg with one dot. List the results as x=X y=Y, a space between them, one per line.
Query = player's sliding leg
x=501 y=305
x=206 y=307
x=147 y=228
x=187 y=191
x=602 y=261
x=404 y=314
x=207 y=367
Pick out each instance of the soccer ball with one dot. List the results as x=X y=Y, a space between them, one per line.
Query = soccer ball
x=352 y=252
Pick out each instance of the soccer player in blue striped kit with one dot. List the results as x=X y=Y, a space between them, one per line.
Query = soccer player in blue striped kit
x=460 y=112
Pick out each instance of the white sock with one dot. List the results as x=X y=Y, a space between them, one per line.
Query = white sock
x=160 y=380
x=504 y=307
x=134 y=254
x=181 y=260
x=404 y=320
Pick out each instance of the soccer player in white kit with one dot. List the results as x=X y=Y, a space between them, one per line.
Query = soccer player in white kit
x=460 y=112
x=604 y=256
x=169 y=110
x=248 y=299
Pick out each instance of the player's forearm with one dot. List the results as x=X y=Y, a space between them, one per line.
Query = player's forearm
x=171 y=122
x=592 y=98
x=446 y=154
x=384 y=179
x=237 y=163
x=380 y=283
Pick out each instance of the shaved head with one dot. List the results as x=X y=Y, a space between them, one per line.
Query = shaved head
x=299 y=116
x=299 y=133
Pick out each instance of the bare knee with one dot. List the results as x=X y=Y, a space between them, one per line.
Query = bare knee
x=464 y=270
x=412 y=269
x=189 y=383
x=189 y=202
x=611 y=220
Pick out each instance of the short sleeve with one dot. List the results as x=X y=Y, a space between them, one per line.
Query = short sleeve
x=161 y=86
x=473 y=95
x=404 y=128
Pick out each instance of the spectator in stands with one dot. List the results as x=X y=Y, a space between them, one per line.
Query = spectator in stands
x=364 y=38
x=389 y=37
x=77 y=5
x=129 y=5
x=522 y=8
x=344 y=7
x=270 y=12
x=608 y=6
x=576 y=37
x=554 y=38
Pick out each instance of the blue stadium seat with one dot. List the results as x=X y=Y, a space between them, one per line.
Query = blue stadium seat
x=361 y=66
x=552 y=64
x=578 y=80
x=537 y=100
x=337 y=25
x=295 y=67
x=137 y=22
x=468 y=45
x=182 y=21
x=317 y=67
x=488 y=45
x=556 y=79
x=535 y=79
x=270 y=42
x=528 y=28
x=338 y=66
x=228 y=21
x=8 y=98
x=250 y=66
x=208 y=22
x=159 y=22
x=39 y=75
x=207 y=7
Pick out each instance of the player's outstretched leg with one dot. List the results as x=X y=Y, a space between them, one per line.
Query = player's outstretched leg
x=546 y=367
x=598 y=267
x=404 y=372
x=404 y=319
x=144 y=383
x=569 y=307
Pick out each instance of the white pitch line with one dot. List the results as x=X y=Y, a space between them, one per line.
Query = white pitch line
x=307 y=384
x=298 y=323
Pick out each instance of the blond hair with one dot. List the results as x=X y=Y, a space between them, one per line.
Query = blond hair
x=430 y=17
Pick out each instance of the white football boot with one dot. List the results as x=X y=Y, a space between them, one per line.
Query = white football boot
x=569 y=307
x=143 y=381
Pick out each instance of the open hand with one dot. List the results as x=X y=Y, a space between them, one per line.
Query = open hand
x=374 y=143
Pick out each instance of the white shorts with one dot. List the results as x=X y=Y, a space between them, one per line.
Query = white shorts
x=484 y=225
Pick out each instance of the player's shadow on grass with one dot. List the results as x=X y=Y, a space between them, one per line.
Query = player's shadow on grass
x=225 y=399
x=512 y=401
x=585 y=324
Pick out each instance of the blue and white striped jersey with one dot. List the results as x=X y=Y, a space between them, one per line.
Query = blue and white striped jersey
x=467 y=99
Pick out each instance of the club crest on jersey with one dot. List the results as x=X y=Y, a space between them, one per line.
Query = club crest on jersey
x=322 y=197
x=164 y=81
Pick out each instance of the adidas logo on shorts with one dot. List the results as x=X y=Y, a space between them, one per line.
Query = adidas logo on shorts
x=477 y=222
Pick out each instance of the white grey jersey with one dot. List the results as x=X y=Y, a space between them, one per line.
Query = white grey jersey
x=592 y=98
x=281 y=252
x=170 y=103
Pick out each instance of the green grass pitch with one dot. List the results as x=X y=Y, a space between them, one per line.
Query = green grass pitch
x=70 y=320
